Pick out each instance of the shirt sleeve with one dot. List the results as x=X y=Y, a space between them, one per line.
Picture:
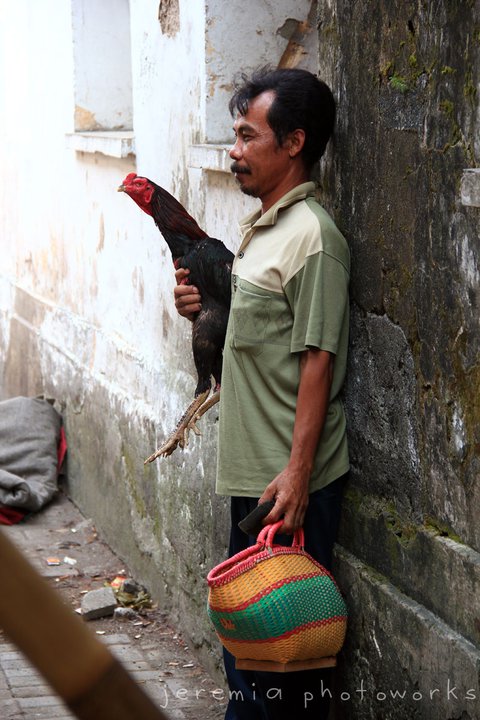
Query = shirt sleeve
x=318 y=298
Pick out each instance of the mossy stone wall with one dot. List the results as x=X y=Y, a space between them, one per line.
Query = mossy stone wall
x=406 y=76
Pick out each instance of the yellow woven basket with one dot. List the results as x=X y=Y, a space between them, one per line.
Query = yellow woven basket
x=277 y=604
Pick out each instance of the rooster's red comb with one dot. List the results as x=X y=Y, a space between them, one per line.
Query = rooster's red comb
x=130 y=177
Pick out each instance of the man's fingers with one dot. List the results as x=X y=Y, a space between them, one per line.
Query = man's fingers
x=289 y=525
x=187 y=298
x=181 y=274
x=188 y=310
x=292 y=518
x=183 y=292
x=275 y=514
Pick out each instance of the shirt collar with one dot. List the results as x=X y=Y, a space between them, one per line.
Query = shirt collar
x=256 y=219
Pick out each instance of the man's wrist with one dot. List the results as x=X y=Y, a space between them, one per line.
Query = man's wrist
x=301 y=468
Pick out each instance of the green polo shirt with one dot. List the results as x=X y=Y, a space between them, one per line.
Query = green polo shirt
x=289 y=293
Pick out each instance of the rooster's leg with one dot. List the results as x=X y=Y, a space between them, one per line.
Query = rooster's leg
x=180 y=435
x=209 y=402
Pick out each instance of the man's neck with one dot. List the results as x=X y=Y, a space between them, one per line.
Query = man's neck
x=298 y=176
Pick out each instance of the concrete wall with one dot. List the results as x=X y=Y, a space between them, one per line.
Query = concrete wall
x=407 y=80
x=86 y=311
x=249 y=35
x=86 y=287
x=102 y=65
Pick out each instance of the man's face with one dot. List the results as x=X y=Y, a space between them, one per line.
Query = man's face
x=259 y=163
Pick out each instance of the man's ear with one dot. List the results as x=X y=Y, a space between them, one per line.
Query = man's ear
x=296 y=141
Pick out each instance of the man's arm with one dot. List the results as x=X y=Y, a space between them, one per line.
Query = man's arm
x=290 y=487
x=187 y=298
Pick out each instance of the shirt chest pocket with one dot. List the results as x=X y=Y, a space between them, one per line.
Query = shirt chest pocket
x=250 y=315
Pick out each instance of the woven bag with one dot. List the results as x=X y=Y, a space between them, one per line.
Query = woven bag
x=276 y=603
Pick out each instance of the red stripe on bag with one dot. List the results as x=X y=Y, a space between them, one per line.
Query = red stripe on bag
x=295 y=631
x=262 y=593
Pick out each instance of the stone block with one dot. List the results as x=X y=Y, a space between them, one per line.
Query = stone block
x=400 y=660
x=381 y=410
x=98 y=603
x=470 y=188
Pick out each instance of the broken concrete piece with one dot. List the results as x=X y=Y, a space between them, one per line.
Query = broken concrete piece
x=122 y=613
x=98 y=603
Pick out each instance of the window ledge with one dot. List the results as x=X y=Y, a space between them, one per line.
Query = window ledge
x=210 y=157
x=115 y=143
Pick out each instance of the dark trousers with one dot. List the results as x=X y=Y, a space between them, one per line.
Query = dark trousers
x=285 y=696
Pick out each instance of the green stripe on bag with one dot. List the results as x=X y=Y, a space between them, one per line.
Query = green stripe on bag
x=282 y=610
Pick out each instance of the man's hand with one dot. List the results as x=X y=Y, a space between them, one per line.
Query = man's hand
x=187 y=298
x=290 y=492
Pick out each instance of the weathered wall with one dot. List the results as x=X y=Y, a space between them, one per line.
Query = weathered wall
x=86 y=311
x=264 y=33
x=407 y=80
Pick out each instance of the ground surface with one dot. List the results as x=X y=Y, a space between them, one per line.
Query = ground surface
x=156 y=655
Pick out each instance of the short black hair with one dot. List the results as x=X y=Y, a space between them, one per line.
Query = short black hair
x=301 y=101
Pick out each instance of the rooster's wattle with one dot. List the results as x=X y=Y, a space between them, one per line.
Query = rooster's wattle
x=210 y=265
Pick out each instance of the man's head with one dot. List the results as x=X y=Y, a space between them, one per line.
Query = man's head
x=300 y=101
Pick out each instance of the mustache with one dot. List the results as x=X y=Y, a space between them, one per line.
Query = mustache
x=239 y=169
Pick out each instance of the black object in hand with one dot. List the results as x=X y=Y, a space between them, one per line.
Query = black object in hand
x=252 y=523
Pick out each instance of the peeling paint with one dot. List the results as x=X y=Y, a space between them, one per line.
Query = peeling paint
x=295 y=32
x=469 y=263
x=85 y=120
x=459 y=438
x=138 y=284
x=374 y=637
x=169 y=17
x=101 y=234
x=250 y=46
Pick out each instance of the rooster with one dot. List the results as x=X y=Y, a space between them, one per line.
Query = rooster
x=210 y=265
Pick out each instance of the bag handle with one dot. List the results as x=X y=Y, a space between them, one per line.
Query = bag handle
x=227 y=569
x=267 y=535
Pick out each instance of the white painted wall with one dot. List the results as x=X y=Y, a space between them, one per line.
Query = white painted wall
x=250 y=35
x=66 y=235
x=86 y=281
x=102 y=64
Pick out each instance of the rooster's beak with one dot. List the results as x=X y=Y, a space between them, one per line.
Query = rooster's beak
x=121 y=188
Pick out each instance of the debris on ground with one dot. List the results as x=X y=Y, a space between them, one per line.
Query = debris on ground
x=130 y=594
x=124 y=613
x=117 y=583
x=98 y=603
x=131 y=587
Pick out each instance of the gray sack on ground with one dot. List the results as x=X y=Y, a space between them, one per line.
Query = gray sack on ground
x=29 y=434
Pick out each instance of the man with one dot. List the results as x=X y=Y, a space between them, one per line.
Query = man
x=282 y=425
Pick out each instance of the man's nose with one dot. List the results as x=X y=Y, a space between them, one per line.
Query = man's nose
x=234 y=151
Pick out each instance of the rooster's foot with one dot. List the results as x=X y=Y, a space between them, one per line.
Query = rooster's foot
x=192 y=425
x=209 y=402
x=180 y=434
x=178 y=437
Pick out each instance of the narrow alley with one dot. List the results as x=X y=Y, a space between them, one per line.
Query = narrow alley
x=64 y=547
